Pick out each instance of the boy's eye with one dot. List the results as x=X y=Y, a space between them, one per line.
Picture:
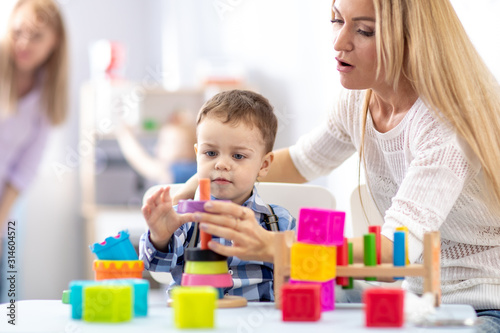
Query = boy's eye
x=211 y=153
x=238 y=156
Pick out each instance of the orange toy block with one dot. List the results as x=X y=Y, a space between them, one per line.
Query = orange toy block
x=313 y=262
x=118 y=269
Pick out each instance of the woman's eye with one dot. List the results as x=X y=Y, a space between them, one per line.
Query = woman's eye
x=366 y=33
x=238 y=156
x=211 y=153
x=336 y=21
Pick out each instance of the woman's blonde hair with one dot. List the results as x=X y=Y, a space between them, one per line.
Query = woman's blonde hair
x=55 y=73
x=424 y=42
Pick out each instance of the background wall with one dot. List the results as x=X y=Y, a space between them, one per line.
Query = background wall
x=283 y=46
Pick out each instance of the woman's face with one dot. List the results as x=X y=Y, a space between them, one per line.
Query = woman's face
x=33 y=40
x=354 y=43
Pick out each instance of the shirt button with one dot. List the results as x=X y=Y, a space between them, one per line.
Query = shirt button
x=230 y=272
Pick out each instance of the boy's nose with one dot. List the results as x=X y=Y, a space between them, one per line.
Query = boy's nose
x=222 y=164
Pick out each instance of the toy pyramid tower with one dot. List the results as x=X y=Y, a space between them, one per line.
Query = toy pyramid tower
x=203 y=266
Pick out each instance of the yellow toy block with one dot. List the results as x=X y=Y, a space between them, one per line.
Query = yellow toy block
x=313 y=262
x=194 y=307
x=107 y=303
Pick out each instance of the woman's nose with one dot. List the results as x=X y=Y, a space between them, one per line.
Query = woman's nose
x=342 y=40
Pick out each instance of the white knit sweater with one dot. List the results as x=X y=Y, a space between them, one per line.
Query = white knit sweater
x=422 y=176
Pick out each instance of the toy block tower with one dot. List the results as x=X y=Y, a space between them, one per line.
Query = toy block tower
x=313 y=257
x=204 y=267
x=116 y=258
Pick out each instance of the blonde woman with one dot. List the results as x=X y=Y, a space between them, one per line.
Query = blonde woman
x=33 y=81
x=422 y=111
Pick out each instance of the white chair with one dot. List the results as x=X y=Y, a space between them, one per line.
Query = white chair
x=290 y=196
x=359 y=222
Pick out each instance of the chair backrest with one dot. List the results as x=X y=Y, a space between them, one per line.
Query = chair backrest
x=359 y=222
x=290 y=196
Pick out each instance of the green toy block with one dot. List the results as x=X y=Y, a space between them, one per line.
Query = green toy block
x=194 y=307
x=107 y=303
x=66 y=296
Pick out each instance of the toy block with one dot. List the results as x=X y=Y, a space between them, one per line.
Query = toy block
x=405 y=230
x=370 y=253
x=313 y=262
x=320 y=226
x=375 y=229
x=76 y=298
x=384 y=307
x=66 y=297
x=327 y=299
x=343 y=260
x=118 y=247
x=205 y=267
x=118 y=269
x=194 y=307
x=140 y=289
x=107 y=303
x=301 y=302
x=214 y=280
x=282 y=244
x=399 y=253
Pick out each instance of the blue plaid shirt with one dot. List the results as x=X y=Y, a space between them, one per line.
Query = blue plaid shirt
x=251 y=279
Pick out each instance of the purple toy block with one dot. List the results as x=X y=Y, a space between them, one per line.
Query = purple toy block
x=327 y=293
x=321 y=226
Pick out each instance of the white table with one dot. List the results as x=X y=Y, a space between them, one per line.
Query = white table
x=55 y=317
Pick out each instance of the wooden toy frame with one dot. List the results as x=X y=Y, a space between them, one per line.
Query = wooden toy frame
x=429 y=270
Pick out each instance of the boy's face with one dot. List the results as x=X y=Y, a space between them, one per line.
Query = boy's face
x=232 y=157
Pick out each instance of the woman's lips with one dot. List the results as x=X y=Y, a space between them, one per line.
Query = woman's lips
x=343 y=66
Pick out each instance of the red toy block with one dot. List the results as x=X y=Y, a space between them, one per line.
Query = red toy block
x=301 y=302
x=384 y=307
x=327 y=293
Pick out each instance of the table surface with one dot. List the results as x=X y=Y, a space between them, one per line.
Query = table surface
x=55 y=317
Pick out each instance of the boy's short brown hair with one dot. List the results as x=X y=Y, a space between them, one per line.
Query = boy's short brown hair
x=235 y=106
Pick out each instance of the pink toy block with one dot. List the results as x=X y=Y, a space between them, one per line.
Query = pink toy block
x=300 y=302
x=327 y=293
x=384 y=307
x=320 y=226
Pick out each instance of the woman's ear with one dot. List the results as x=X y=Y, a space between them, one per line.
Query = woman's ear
x=196 y=149
x=266 y=164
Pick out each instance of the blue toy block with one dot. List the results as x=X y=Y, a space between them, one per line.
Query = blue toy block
x=115 y=248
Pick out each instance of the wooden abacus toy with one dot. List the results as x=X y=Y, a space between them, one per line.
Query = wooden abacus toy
x=343 y=268
x=203 y=266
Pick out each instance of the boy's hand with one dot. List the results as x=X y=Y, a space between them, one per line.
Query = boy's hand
x=162 y=219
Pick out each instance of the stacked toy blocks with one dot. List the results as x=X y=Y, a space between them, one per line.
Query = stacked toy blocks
x=313 y=264
x=116 y=258
x=194 y=307
x=118 y=292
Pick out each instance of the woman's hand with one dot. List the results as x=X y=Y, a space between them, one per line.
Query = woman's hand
x=237 y=223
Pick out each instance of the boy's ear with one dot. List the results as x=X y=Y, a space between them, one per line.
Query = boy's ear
x=266 y=164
